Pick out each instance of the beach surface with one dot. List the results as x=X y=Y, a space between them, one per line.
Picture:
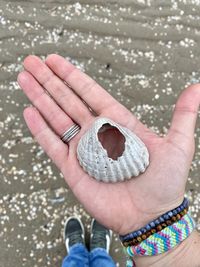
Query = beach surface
x=143 y=52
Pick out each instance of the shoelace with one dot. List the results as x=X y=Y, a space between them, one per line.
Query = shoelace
x=99 y=240
x=75 y=238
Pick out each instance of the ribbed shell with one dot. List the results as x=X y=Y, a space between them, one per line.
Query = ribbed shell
x=95 y=161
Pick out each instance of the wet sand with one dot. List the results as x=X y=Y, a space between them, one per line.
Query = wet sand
x=143 y=52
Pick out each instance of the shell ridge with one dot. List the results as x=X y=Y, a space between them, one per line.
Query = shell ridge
x=94 y=159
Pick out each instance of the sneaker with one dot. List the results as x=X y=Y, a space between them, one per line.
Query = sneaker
x=100 y=236
x=73 y=232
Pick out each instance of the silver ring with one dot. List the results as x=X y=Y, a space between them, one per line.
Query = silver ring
x=70 y=133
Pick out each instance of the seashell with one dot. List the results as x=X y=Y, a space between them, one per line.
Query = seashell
x=94 y=159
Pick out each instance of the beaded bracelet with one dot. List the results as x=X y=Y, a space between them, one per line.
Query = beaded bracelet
x=164 y=240
x=159 y=221
x=142 y=237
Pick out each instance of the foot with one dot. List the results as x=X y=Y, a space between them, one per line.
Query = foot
x=73 y=232
x=100 y=237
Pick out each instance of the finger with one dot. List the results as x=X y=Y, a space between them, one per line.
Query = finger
x=110 y=107
x=61 y=93
x=185 y=115
x=52 y=113
x=92 y=93
x=48 y=140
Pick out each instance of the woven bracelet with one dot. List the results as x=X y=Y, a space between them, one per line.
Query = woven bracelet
x=158 y=228
x=164 y=240
x=130 y=263
x=154 y=224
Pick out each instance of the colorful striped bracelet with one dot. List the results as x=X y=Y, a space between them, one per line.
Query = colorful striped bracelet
x=153 y=224
x=164 y=240
x=142 y=237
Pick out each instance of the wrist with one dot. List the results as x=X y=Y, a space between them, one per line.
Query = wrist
x=144 y=216
x=163 y=222
x=162 y=238
x=186 y=254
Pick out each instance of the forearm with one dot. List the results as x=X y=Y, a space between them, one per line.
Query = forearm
x=185 y=255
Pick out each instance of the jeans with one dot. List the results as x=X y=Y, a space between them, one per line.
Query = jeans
x=80 y=257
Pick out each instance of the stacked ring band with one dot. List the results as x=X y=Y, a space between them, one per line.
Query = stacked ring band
x=70 y=133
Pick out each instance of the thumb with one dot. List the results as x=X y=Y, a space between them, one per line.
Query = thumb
x=183 y=123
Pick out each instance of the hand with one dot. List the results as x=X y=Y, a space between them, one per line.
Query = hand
x=126 y=206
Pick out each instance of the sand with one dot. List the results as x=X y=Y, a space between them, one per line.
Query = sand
x=143 y=52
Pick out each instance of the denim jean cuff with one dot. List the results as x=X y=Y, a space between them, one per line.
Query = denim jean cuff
x=77 y=247
x=96 y=251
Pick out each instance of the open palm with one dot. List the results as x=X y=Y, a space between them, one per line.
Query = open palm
x=63 y=94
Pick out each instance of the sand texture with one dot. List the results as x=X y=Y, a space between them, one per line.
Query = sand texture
x=144 y=52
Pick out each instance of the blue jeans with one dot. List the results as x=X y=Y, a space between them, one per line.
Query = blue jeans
x=80 y=257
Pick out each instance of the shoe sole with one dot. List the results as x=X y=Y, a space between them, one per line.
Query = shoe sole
x=110 y=231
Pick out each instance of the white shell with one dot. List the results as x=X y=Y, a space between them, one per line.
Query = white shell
x=95 y=161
